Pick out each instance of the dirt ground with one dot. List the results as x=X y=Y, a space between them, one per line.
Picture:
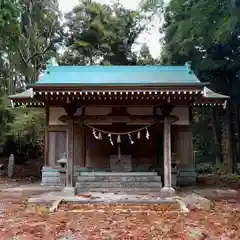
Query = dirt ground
x=19 y=220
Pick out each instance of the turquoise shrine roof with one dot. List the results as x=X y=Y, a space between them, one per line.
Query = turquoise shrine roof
x=117 y=76
x=101 y=76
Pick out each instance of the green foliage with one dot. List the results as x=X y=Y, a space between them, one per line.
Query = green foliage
x=31 y=33
x=38 y=38
x=101 y=34
x=27 y=124
x=89 y=30
x=26 y=133
x=9 y=22
x=145 y=57
x=207 y=33
x=22 y=130
x=204 y=142
x=5 y=118
x=152 y=6
x=204 y=32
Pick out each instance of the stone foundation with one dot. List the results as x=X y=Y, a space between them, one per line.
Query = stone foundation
x=167 y=192
x=50 y=177
x=187 y=177
x=115 y=182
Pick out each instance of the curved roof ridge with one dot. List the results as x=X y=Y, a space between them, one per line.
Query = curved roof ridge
x=118 y=75
x=119 y=68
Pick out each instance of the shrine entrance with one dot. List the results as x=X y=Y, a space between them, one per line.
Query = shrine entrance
x=128 y=144
x=121 y=164
x=121 y=154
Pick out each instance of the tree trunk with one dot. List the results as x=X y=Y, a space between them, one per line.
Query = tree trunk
x=238 y=121
x=227 y=140
x=216 y=135
x=237 y=143
x=91 y=56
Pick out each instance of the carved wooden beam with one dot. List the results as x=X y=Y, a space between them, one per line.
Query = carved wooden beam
x=166 y=109
x=70 y=109
x=113 y=119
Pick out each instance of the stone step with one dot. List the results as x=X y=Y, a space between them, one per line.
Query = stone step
x=118 y=184
x=129 y=174
x=117 y=190
x=118 y=179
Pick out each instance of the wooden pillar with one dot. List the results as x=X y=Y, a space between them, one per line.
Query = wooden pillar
x=167 y=190
x=46 y=138
x=83 y=146
x=167 y=152
x=192 y=153
x=83 y=140
x=70 y=189
x=70 y=154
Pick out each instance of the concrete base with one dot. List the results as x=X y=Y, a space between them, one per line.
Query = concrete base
x=115 y=174
x=68 y=191
x=167 y=192
x=79 y=200
x=100 y=198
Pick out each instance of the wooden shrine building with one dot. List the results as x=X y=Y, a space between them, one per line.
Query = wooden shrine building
x=118 y=119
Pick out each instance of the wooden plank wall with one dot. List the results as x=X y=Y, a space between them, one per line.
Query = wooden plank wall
x=183 y=146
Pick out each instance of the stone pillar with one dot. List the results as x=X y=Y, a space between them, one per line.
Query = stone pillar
x=167 y=190
x=11 y=163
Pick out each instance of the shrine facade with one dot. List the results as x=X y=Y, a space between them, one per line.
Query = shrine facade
x=119 y=119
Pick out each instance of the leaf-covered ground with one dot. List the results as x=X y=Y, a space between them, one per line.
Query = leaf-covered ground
x=117 y=221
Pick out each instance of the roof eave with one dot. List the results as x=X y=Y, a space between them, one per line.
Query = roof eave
x=27 y=94
x=209 y=94
x=117 y=85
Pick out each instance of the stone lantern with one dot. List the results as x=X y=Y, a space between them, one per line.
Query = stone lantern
x=63 y=162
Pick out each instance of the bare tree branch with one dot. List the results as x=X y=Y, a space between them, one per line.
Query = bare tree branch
x=40 y=53
x=22 y=57
x=48 y=47
x=20 y=53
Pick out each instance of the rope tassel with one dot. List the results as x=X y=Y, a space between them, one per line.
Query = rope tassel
x=97 y=133
x=138 y=135
x=147 y=134
x=110 y=139
x=130 y=138
x=94 y=134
